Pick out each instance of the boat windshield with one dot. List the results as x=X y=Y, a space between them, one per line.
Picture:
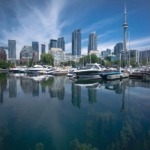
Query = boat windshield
x=93 y=66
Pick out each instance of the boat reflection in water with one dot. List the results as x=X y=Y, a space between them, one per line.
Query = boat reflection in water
x=97 y=114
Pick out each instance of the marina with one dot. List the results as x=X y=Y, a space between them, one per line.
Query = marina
x=71 y=78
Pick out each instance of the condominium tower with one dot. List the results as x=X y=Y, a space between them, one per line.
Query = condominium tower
x=12 y=49
x=92 y=45
x=61 y=43
x=76 y=42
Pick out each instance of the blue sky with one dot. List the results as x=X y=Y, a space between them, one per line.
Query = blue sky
x=41 y=20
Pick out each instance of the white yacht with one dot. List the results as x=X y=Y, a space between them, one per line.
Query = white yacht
x=18 y=69
x=39 y=69
x=90 y=71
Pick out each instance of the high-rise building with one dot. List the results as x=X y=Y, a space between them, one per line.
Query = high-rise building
x=76 y=42
x=118 y=48
x=35 y=46
x=12 y=49
x=52 y=44
x=92 y=45
x=3 y=55
x=26 y=54
x=61 y=43
x=43 y=47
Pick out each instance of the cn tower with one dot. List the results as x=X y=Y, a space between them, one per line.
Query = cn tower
x=125 y=26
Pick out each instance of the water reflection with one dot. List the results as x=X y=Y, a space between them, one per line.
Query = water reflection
x=3 y=85
x=112 y=115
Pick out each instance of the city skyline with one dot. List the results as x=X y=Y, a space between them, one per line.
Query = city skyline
x=26 y=21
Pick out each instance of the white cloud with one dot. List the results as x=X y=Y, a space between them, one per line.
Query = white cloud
x=140 y=44
x=36 y=24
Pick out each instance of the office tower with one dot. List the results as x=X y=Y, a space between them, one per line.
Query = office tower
x=52 y=44
x=35 y=46
x=61 y=43
x=108 y=51
x=125 y=26
x=3 y=55
x=92 y=45
x=26 y=54
x=76 y=42
x=43 y=47
x=118 y=48
x=12 y=49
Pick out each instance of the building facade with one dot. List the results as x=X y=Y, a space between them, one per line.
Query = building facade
x=76 y=42
x=52 y=44
x=92 y=45
x=26 y=54
x=12 y=49
x=118 y=48
x=3 y=55
x=43 y=48
x=35 y=48
x=61 y=43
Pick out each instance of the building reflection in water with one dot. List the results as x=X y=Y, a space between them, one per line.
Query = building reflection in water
x=92 y=95
x=57 y=89
x=35 y=88
x=76 y=95
x=12 y=87
x=3 y=85
x=26 y=85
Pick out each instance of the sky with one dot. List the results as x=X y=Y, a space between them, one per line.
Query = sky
x=41 y=20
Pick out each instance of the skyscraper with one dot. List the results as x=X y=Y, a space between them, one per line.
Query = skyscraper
x=52 y=44
x=118 y=48
x=12 y=49
x=76 y=42
x=43 y=46
x=35 y=46
x=61 y=43
x=92 y=45
x=125 y=26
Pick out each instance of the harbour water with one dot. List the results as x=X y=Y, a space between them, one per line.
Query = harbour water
x=57 y=114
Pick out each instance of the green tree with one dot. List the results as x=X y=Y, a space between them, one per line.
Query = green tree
x=3 y=64
x=89 y=59
x=47 y=59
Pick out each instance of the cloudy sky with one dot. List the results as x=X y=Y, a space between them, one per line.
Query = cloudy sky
x=41 y=20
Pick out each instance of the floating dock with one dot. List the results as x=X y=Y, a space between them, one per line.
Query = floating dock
x=117 y=76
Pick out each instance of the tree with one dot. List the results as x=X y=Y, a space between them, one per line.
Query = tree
x=3 y=64
x=47 y=59
x=89 y=59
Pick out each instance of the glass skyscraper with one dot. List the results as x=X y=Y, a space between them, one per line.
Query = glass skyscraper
x=43 y=46
x=118 y=48
x=92 y=45
x=61 y=43
x=35 y=46
x=12 y=49
x=76 y=42
x=52 y=44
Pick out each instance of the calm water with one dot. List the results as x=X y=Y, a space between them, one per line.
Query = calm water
x=57 y=114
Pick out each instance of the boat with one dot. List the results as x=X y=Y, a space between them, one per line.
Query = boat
x=71 y=72
x=90 y=71
x=39 y=69
x=18 y=69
